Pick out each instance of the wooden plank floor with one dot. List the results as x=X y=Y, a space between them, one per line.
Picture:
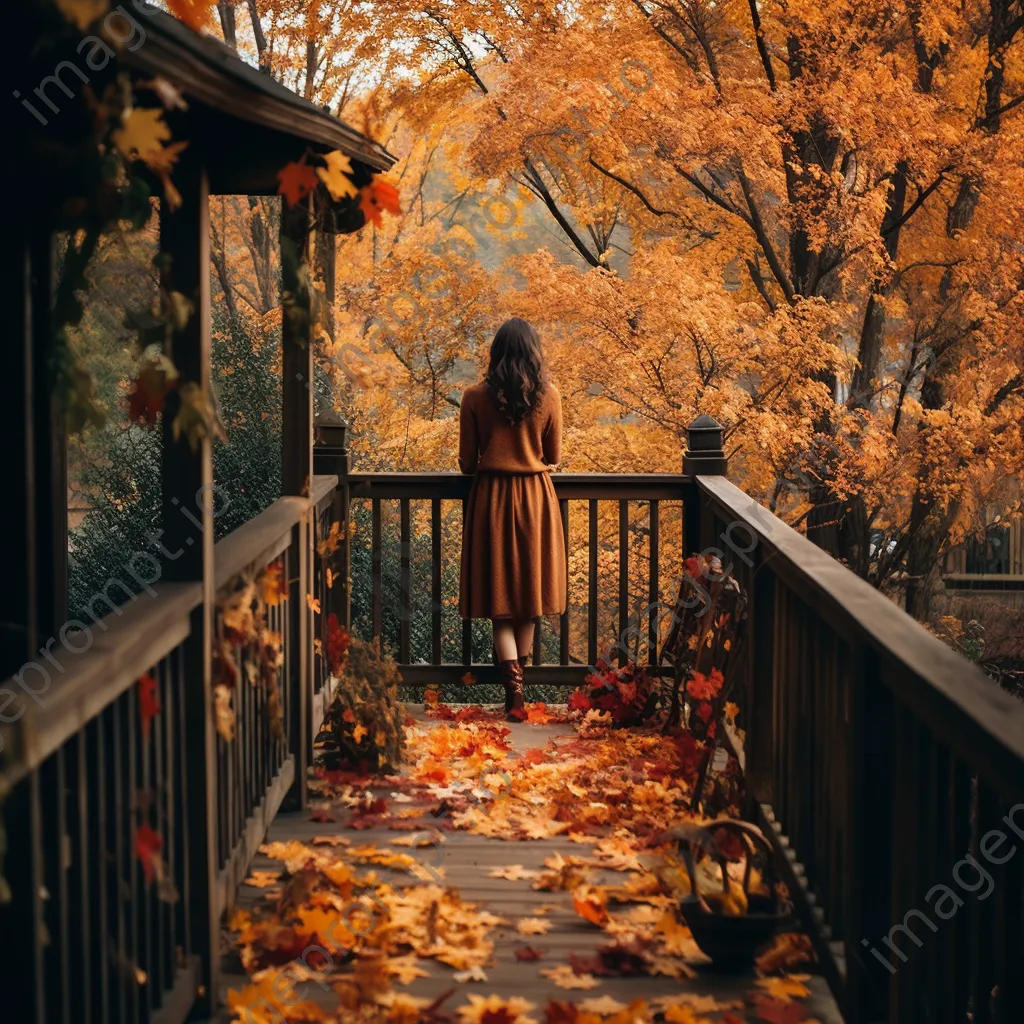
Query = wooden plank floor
x=466 y=859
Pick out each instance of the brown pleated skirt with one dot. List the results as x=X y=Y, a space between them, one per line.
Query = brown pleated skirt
x=513 y=548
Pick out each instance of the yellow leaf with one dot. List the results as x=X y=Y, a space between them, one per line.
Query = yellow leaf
x=359 y=732
x=533 y=926
x=313 y=603
x=142 y=134
x=225 y=714
x=82 y=13
x=335 y=176
x=565 y=977
x=786 y=988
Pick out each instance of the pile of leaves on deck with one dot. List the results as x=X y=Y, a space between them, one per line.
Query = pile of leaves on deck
x=346 y=924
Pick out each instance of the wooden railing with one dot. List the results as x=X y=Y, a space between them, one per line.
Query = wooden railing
x=875 y=757
x=104 y=932
x=879 y=759
x=638 y=502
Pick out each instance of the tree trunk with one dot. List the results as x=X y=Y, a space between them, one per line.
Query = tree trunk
x=312 y=54
x=226 y=10
x=258 y=36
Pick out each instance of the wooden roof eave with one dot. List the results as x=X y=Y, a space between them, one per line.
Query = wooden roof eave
x=207 y=71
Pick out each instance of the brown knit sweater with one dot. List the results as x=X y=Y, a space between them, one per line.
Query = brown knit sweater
x=488 y=443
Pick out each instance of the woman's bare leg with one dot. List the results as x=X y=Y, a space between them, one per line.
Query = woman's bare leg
x=504 y=639
x=524 y=638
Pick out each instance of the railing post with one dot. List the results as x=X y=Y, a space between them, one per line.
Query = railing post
x=187 y=519
x=704 y=456
x=331 y=457
x=297 y=476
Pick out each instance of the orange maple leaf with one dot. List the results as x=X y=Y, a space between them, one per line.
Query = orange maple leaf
x=469 y=679
x=197 y=14
x=272 y=584
x=149 y=703
x=295 y=181
x=538 y=714
x=377 y=197
x=590 y=906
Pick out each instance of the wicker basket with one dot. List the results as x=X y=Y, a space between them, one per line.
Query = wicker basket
x=732 y=941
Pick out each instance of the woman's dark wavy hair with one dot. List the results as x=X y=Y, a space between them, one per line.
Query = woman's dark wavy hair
x=516 y=371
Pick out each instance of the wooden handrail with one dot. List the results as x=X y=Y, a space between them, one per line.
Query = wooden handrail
x=955 y=699
x=257 y=543
x=131 y=639
x=638 y=486
x=324 y=486
x=126 y=643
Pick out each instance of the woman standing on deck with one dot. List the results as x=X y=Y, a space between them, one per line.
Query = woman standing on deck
x=513 y=548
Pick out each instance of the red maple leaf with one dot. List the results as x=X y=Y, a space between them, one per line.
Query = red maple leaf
x=295 y=181
x=528 y=954
x=378 y=197
x=702 y=687
x=579 y=701
x=775 y=1011
x=337 y=644
x=561 y=1013
x=503 y=1015
x=147 y=848
x=149 y=703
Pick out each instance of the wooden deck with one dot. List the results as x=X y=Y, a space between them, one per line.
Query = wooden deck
x=466 y=860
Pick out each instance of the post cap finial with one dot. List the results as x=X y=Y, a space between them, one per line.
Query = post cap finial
x=705 y=447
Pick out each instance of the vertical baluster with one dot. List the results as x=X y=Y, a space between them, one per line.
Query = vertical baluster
x=183 y=840
x=869 y=835
x=653 y=585
x=24 y=958
x=467 y=624
x=563 y=625
x=164 y=725
x=944 y=965
x=117 y=878
x=162 y=980
x=623 y=640
x=435 y=581
x=132 y=818
x=592 y=582
x=250 y=736
x=538 y=626
x=55 y=836
x=985 y=947
x=222 y=804
x=375 y=557
x=95 y=823
x=149 y=812
x=405 y=582
x=79 y=896
x=1009 y=881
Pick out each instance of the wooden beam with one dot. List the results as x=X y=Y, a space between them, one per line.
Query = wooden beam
x=49 y=447
x=18 y=596
x=188 y=513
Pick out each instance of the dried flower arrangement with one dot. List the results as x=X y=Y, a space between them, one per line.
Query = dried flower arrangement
x=364 y=726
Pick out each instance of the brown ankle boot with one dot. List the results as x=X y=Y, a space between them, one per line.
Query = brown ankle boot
x=512 y=679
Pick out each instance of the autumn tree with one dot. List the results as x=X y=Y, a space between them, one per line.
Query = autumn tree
x=799 y=217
